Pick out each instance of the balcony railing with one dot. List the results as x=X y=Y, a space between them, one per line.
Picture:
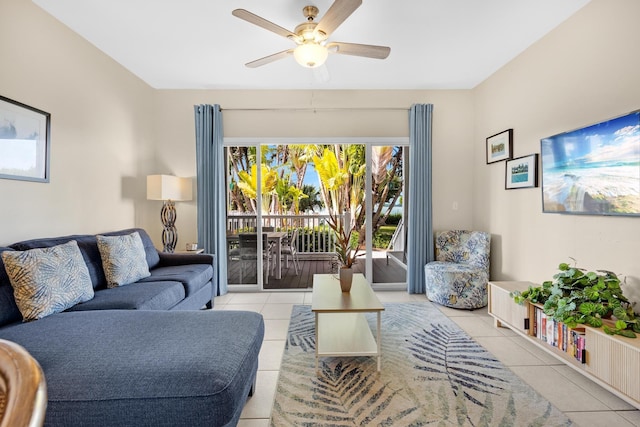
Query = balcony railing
x=314 y=235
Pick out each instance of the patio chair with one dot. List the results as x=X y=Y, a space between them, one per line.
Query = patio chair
x=233 y=251
x=459 y=276
x=290 y=249
x=248 y=247
x=233 y=247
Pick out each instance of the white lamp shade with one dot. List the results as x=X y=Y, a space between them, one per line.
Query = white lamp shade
x=168 y=187
x=310 y=55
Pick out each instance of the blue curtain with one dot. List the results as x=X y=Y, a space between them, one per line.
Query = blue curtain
x=420 y=228
x=212 y=229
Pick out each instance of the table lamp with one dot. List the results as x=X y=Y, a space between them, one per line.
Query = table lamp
x=169 y=189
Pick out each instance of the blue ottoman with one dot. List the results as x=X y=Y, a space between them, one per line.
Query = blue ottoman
x=144 y=368
x=456 y=286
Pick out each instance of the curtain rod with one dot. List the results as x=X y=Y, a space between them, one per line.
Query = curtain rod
x=314 y=109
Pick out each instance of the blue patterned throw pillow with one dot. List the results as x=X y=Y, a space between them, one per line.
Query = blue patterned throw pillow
x=48 y=280
x=123 y=259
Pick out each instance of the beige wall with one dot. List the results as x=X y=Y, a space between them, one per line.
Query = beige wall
x=337 y=113
x=583 y=72
x=100 y=133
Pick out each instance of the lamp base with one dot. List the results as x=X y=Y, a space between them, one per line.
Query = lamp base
x=169 y=232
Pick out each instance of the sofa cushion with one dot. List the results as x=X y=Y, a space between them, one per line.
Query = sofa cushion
x=192 y=276
x=138 y=296
x=9 y=311
x=89 y=248
x=187 y=368
x=123 y=259
x=150 y=250
x=48 y=280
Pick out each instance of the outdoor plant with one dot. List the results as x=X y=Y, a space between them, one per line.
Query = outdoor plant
x=333 y=178
x=248 y=184
x=577 y=296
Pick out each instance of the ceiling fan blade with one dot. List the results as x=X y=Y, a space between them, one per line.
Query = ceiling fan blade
x=269 y=59
x=261 y=22
x=337 y=13
x=355 y=49
x=321 y=74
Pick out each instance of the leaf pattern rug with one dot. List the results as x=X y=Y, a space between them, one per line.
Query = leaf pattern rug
x=433 y=374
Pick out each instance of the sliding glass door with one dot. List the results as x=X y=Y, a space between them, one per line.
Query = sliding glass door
x=287 y=188
x=388 y=257
x=242 y=216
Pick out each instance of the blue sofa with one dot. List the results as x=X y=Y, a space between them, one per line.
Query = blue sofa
x=143 y=354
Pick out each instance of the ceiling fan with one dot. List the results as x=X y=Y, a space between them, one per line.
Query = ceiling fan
x=311 y=37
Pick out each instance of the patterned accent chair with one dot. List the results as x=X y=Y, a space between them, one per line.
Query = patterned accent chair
x=458 y=278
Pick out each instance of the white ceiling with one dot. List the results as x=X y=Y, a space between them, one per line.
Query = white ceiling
x=198 y=44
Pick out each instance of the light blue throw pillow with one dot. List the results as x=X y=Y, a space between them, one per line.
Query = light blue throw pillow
x=48 y=280
x=123 y=259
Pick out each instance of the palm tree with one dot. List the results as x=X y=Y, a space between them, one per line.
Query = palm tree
x=312 y=201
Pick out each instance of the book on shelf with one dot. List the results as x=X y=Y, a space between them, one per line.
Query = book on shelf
x=550 y=331
x=578 y=349
x=560 y=328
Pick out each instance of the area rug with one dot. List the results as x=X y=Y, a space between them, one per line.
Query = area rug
x=432 y=374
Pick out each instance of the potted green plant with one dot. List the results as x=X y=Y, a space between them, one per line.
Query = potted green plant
x=346 y=251
x=577 y=296
x=334 y=176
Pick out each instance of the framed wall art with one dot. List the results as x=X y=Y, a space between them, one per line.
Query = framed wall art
x=521 y=172
x=24 y=141
x=500 y=146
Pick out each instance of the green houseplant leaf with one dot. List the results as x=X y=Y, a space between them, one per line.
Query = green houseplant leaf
x=587 y=308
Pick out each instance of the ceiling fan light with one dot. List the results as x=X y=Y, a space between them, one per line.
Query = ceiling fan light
x=310 y=55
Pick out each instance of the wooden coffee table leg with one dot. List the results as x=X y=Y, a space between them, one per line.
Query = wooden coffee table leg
x=317 y=343
x=378 y=343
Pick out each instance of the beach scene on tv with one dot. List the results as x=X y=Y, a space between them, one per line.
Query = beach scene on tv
x=593 y=170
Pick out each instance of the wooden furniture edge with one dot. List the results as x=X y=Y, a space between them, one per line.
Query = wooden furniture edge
x=634 y=344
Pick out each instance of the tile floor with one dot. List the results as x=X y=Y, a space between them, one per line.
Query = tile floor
x=586 y=403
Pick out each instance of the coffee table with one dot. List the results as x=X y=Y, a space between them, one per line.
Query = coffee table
x=341 y=326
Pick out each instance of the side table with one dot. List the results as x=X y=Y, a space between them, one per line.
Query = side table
x=197 y=251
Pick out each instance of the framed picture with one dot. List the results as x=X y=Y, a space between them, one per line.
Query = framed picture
x=521 y=172
x=24 y=141
x=500 y=146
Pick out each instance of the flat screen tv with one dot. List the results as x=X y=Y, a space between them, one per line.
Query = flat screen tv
x=594 y=170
